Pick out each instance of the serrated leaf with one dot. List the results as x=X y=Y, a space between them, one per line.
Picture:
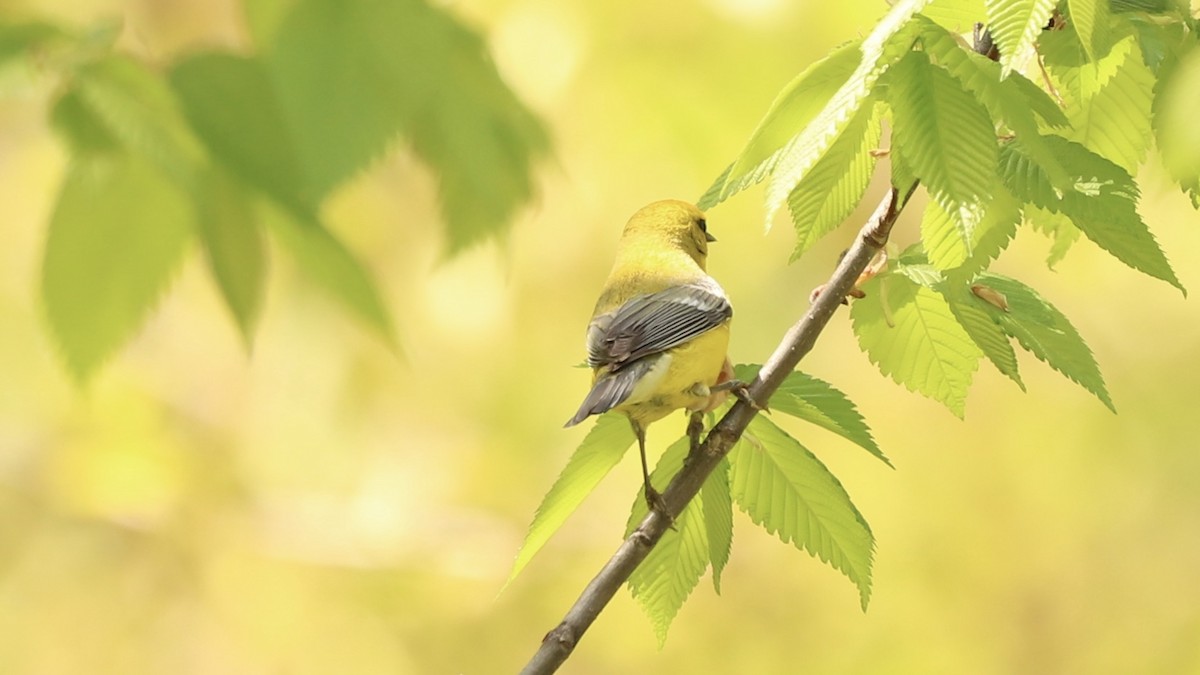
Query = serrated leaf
x=1016 y=25
x=816 y=401
x=405 y=67
x=1090 y=19
x=793 y=108
x=958 y=16
x=1062 y=232
x=1041 y=329
x=139 y=109
x=718 y=519
x=229 y=230
x=944 y=245
x=836 y=184
x=880 y=50
x=117 y=234
x=231 y=104
x=604 y=446
x=984 y=330
x=333 y=267
x=1114 y=121
x=674 y=566
x=1103 y=203
x=947 y=138
x=784 y=488
x=1011 y=101
x=909 y=332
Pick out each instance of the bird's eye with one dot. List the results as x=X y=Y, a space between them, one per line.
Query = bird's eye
x=703 y=225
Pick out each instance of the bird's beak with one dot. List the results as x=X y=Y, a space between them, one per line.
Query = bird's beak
x=709 y=237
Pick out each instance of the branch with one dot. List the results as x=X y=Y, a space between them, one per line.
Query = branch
x=799 y=340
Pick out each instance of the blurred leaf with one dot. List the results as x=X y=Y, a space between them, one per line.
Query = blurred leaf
x=84 y=133
x=599 y=452
x=911 y=334
x=947 y=138
x=232 y=106
x=17 y=38
x=1103 y=204
x=1016 y=25
x=881 y=48
x=352 y=75
x=140 y=110
x=718 y=519
x=672 y=569
x=1177 y=130
x=331 y=265
x=793 y=108
x=229 y=230
x=1062 y=232
x=831 y=190
x=816 y=401
x=784 y=488
x=944 y=245
x=118 y=232
x=1046 y=333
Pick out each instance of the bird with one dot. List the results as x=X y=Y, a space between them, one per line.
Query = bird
x=659 y=335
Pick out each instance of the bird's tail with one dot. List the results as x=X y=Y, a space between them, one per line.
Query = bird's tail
x=610 y=390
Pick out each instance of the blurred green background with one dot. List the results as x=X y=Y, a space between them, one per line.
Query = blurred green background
x=318 y=505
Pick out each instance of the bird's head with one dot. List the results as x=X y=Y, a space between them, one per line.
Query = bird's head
x=671 y=224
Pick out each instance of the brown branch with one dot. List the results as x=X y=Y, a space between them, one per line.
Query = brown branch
x=558 y=643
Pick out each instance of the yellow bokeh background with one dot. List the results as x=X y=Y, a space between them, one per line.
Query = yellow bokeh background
x=318 y=505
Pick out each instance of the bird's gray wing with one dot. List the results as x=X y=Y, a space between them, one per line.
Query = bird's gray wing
x=653 y=323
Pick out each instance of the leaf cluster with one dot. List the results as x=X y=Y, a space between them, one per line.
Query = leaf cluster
x=223 y=149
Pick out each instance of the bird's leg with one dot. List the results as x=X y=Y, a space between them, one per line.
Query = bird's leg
x=653 y=499
x=695 y=427
x=739 y=390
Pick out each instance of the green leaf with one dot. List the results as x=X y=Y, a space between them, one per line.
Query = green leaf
x=1016 y=25
x=229 y=230
x=404 y=67
x=1013 y=100
x=231 y=104
x=944 y=245
x=1091 y=19
x=674 y=566
x=909 y=332
x=1058 y=227
x=138 y=108
x=984 y=330
x=946 y=136
x=17 y=38
x=601 y=449
x=816 y=401
x=830 y=191
x=880 y=50
x=958 y=16
x=784 y=488
x=1103 y=203
x=117 y=234
x=331 y=265
x=1114 y=120
x=1046 y=333
x=718 y=519
x=84 y=133
x=793 y=108
x=1175 y=124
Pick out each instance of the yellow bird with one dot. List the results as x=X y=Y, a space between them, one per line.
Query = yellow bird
x=660 y=331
